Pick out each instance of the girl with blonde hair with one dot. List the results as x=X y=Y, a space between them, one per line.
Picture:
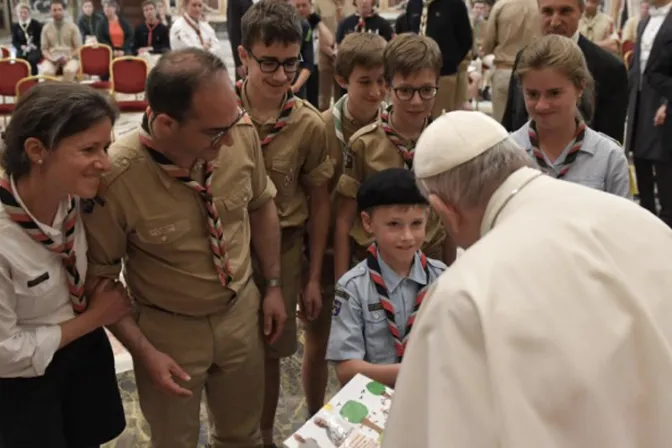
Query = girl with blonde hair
x=554 y=78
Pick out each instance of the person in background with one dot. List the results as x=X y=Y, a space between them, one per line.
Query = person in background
x=191 y=31
x=58 y=386
x=629 y=32
x=611 y=78
x=447 y=22
x=162 y=12
x=598 y=27
x=512 y=25
x=60 y=41
x=365 y=20
x=26 y=34
x=554 y=76
x=88 y=22
x=323 y=41
x=150 y=39
x=377 y=301
x=332 y=13
x=649 y=123
x=115 y=31
x=235 y=10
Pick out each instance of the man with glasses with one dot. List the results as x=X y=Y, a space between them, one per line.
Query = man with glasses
x=412 y=70
x=186 y=195
x=293 y=142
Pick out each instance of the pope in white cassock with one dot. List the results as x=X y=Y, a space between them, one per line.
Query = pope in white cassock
x=554 y=328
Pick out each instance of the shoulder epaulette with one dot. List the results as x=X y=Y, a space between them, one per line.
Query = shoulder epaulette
x=363 y=131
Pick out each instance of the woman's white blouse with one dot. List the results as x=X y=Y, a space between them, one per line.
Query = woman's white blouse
x=34 y=295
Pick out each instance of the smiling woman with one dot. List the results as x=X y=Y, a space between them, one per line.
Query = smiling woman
x=56 y=364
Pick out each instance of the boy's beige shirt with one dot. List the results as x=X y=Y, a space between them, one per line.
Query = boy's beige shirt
x=158 y=226
x=371 y=151
x=296 y=158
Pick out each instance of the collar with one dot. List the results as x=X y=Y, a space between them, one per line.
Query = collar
x=392 y=280
x=26 y=23
x=271 y=121
x=55 y=228
x=191 y=21
x=352 y=120
x=587 y=146
x=576 y=35
x=501 y=197
x=660 y=11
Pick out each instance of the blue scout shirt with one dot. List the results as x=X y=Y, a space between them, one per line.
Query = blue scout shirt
x=358 y=325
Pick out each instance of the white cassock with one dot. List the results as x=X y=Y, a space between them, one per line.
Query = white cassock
x=186 y=33
x=553 y=331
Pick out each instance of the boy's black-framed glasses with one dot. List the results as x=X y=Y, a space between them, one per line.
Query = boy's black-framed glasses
x=406 y=93
x=270 y=65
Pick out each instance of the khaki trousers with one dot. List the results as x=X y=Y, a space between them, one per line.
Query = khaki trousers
x=500 y=92
x=446 y=96
x=48 y=68
x=223 y=354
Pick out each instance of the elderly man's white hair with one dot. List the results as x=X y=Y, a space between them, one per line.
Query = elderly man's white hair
x=463 y=157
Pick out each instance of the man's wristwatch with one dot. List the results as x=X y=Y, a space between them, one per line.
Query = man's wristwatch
x=273 y=282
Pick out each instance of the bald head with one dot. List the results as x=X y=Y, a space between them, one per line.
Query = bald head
x=178 y=76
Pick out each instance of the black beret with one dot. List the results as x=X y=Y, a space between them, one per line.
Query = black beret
x=393 y=186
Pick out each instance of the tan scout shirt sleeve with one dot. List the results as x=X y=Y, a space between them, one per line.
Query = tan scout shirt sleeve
x=353 y=171
x=106 y=233
x=317 y=169
x=263 y=189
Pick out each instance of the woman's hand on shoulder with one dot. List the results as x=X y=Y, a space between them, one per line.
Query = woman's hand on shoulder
x=109 y=302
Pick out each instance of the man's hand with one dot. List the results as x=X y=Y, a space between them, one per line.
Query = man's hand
x=661 y=114
x=275 y=315
x=311 y=300
x=163 y=369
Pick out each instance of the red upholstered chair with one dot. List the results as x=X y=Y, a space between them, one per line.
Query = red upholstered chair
x=11 y=72
x=27 y=83
x=95 y=60
x=129 y=74
x=4 y=52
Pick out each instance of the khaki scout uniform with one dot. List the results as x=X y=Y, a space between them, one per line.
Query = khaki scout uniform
x=159 y=227
x=63 y=40
x=296 y=158
x=371 y=151
x=328 y=11
x=335 y=151
x=512 y=25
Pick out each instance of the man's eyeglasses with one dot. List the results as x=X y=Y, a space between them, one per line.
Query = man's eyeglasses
x=270 y=65
x=214 y=140
x=405 y=93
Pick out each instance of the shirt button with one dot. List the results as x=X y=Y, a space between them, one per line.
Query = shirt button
x=164 y=238
x=374 y=315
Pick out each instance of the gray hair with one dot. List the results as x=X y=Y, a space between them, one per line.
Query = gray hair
x=50 y=112
x=472 y=183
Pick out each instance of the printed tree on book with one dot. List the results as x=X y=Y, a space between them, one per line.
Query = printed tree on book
x=355 y=412
x=377 y=389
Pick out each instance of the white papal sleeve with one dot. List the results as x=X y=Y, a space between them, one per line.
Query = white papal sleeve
x=23 y=352
x=443 y=394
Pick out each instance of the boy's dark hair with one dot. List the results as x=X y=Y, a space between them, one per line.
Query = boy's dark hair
x=271 y=21
x=359 y=49
x=393 y=186
x=409 y=53
x=149 y=2
x=57 y=2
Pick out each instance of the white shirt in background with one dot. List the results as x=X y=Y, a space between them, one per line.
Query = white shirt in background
x=183 y=35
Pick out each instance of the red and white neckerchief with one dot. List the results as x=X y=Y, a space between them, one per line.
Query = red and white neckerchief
x=361 y=24
x=406 y=153
x=571 y=156
x=424 y=17
x=386 y=303
x=66 y=250
x=204 y=190
x=196 y=26
x=150 y=29
x=283 y=117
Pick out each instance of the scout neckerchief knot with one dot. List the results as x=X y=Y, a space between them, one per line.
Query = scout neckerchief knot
x=65 y=250
x=406 y=152
x=571 y=154
x=377 y=279
x=423 y=16
x=215 y=229
x=282 y=119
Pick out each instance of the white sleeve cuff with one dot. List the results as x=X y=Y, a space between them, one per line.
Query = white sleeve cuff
x=47 y=340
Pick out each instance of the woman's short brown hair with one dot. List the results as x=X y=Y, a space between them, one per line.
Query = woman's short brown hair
x=50 y=112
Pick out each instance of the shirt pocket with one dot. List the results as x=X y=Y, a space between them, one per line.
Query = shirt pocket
x=283 y=174
x=162 y=233
x=36 y=288
x=378 y=339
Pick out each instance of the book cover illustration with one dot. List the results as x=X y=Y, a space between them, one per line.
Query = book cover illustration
x=354 y=418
